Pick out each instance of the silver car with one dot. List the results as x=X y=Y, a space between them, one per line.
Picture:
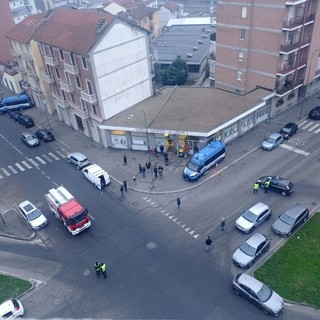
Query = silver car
x=251 y=250
x=258 y=293
x=253 y=217
x=29 y=139
x=271 y=142
x=34 y=217
x=78 y=159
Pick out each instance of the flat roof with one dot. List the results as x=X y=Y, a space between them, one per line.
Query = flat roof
x=181 y=40
x=187 y=110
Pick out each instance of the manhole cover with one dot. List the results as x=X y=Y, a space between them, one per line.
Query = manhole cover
x=151 y=245
x=86 y=272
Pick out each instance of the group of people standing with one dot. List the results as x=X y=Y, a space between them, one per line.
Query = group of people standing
x=148 y=168
x=101 y=269
x=256 y=186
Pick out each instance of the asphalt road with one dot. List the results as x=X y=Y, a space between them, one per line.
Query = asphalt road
x=155 y=255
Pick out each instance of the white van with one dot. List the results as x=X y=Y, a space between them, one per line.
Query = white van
x=98 y=176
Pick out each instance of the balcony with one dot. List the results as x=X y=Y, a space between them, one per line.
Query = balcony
x=15 y=53
x=47 y=78
x=27 y=57
x=32 y=75
x=294 y=2
x=289 y=47
x=71 y=69
x=67 y=87
x=50 y=61
x=293 y=23
x=290 y=68
x=38 y=93
x=60 y=102
x=83 y=113
x=91 y=98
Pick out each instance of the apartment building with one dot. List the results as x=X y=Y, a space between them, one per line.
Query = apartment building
x=273 y=44
x=22 y=8
x=30 y=65
x=96 y=64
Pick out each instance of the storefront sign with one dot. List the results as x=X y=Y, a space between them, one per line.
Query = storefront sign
x=160 y=131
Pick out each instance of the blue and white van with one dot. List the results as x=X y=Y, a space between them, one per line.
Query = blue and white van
x=19 y=102
x=203 y=160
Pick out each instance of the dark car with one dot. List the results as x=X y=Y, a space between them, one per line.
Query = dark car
x=15 y=115
x=45 y=135
x=290 y=220
x=315 y=113
x=26 y=121
x=288 y=130
x=29 y=139
x=277 y=184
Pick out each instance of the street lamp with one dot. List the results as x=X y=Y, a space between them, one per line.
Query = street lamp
x=308 y=74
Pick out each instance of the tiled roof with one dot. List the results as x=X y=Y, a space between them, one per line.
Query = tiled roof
x=24 y=30
x=142 y=11
x=71 y=29
x=171 y=6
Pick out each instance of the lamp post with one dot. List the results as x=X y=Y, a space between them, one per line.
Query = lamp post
x=308 y=74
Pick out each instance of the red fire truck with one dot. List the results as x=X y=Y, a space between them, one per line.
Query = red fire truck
x=67 y=209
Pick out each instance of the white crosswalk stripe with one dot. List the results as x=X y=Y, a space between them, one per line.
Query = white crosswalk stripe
x=1 y=177
x=33 y=162
x=53 y=156
x=46 y=158
x=12 y=169
x=62 y=155
x=307 y=126
x=302 y=123
x=314 y=127
x=5 y=172
x=19 y=166
x=40 y=160
x=317 y=131
x=26 y=164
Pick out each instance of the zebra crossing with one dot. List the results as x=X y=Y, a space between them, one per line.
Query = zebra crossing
x=30 y=163
x=310 y=126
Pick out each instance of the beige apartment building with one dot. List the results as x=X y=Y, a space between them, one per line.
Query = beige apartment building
x=273 y=44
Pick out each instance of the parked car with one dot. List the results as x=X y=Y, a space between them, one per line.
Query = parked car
x=290 y=220
x=29 y=139
x=315 y=113
x=11 y=309
x=271 y=142
x=34 y=217
x=26 y=121
x=15 y=115
x=258 y=293
x=251 y=250
x=96 y=175
x=45 y=135
x=277 y=184
x=288 y=130
x=253 y=217
x=78 y=159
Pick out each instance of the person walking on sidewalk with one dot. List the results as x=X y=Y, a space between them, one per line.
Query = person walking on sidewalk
x=97 y=268
x=125 y=160
x=166 y=159
x=255 y=187
x=140 y=168
x=122 y=191
x=104 y=270
x=178 y=203
x=222 y=224
x=160 y=171
x=148 y=166
x=161 y=148
x=143 y=170
x=125 y=185
x=155 y=170
x=208 y=244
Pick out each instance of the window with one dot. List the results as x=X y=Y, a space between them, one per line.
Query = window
x=84 y=63
x=72 y=97
x=61 y=54
x=240 y=55
x=94 y=109
x=57 y=73
x=83 y=104
x=244 y=12
x=42 y=49
x=63 y=95
x=242 y=34
x=89 y=87
x=73 y=62
x=78 y=81
x=51 y=52
x=239 y=75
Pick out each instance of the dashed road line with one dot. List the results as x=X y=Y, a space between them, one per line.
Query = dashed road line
x=13 y=169
x=26 y=164
x=19 y=166
x=285 y=146
x=53 y=156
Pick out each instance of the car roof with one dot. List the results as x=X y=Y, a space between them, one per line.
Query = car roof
x=256 y=239
x=275 y=135
x=5 y=307
x=317 y=108
x=27 y=134
x=77 y=155
x=43 y=130
x=289 y=125
x=25 y=203
x=250 y=282
x=295 y=210
x=258 y=208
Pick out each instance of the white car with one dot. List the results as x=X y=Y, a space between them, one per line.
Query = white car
x=253 y=217
x=11 y=309
x=34 y=217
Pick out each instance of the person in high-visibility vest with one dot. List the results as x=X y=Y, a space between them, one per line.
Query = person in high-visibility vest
x=104 y=269
x=97 y=268
x=255 y=187
x=266 y=186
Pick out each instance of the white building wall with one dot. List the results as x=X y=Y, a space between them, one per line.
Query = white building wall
x=122 y=70
x=114 y=8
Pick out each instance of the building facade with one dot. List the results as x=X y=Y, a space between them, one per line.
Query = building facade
x=22 y=8
x=273 y=44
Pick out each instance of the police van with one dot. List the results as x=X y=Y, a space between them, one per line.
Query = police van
x=203 y=160
x=19 y=102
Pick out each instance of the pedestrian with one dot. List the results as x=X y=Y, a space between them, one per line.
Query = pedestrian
x=266 y=186
x=161 y=148
x=125 y=160
x=104 y=270
x=122 y=191
x=143 y=170
x=97 y=268
x=178 y=203
x=255 y=187
x=155 y=170
x=125 y=185
x=222 y=224
x=166 y=159
x=134 y=179
x=148 y=166
x=208 y=243
x=140 y=168
x=160 y=171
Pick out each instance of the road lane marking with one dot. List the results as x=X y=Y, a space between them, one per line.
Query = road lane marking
x=1 y=176
x=302 y=123
x=307 y=126
x=5 y=172
x=46 y=158
x=60 y=154
x=317 y=131
x=33 y=162
x=285 y=146
x=19 y=166
x=26 y=164
x=40 y=160
x=314 y=127
x=12 y=169
x=53 y=156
